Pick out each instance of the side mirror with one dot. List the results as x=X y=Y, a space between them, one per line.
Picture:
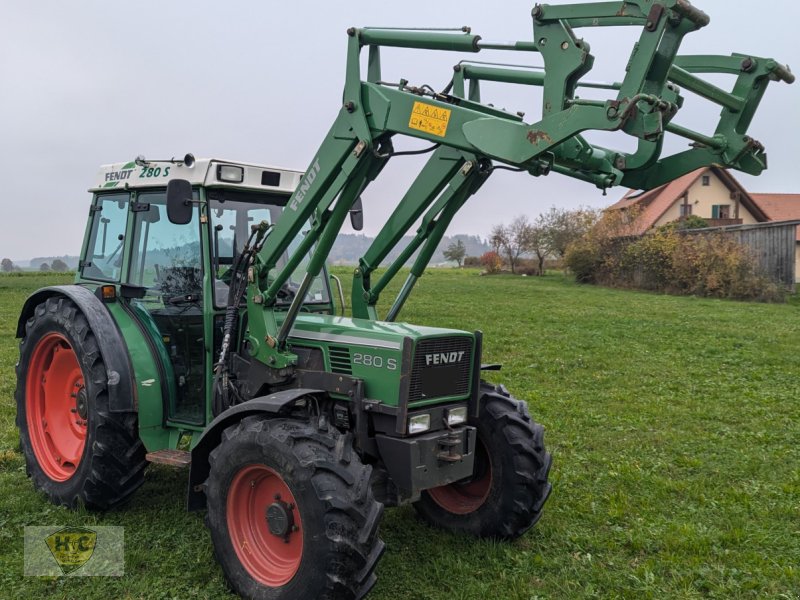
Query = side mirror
x=357 y=215
x=179 y=202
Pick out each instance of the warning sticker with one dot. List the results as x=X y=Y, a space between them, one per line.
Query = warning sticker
x=430 y=119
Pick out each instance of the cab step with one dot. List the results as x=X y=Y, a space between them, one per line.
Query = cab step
x=173 y=458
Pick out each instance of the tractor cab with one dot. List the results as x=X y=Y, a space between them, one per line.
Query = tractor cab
x=177 y=276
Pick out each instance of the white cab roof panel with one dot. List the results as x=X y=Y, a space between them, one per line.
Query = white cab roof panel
x=204 y=171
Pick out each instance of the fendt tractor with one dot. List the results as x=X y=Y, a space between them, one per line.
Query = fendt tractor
x=202 y=329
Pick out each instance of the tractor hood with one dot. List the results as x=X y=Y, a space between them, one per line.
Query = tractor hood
x=363 y=332
x=399 y=363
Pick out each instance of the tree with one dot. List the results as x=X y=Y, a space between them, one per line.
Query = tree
x=456 y=251
x=512 y=241
x=538 y=244
x=44 y=267
x=498 y=238
x=59 y=266
x=563 y=227
x=7 y=265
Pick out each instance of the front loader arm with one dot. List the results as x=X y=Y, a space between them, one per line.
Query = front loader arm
x=373 y=112
x=464 y=182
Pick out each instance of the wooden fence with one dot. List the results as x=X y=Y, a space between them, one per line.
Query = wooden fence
x=773 y=244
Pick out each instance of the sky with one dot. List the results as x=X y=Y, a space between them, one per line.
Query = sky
x=93 y=82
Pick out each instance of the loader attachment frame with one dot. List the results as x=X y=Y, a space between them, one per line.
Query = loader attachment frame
x=469 y=137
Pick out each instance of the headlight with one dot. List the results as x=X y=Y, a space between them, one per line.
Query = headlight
x=230 y=173
x=419 y=423
x=456 y=416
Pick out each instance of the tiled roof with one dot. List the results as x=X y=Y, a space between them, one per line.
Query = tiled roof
x=656 y=202
x=779 y=207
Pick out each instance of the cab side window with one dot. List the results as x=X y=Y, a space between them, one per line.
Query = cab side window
x=103 y=260
x=166 y=257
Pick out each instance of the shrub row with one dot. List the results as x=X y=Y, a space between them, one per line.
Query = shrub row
x=672 y=261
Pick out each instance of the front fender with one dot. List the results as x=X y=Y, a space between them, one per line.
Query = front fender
x=274 y=404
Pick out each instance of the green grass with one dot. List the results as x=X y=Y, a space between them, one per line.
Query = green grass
x=674 y=425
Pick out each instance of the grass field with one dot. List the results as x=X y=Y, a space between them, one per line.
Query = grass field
x=674 y=425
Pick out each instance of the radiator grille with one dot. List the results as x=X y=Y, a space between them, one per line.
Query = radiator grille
x=340 y=360
x=450 y=377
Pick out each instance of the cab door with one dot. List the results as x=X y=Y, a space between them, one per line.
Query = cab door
x=167 y=261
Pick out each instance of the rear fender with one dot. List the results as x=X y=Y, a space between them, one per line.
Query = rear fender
x=121 y=391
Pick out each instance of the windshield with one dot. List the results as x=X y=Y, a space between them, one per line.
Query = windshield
x=231 y=215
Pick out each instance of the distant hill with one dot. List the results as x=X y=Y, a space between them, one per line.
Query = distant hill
x=347 y=249
x=36 y=263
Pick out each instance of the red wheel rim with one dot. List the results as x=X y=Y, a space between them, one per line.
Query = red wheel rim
x=465 y=498
x=271 y=559
x=56 y=407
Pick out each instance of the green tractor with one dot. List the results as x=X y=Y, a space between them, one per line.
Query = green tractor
x=202 y=330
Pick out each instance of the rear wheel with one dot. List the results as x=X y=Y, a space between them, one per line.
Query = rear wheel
x=508 y=488
x=75 y=449
x=291 y=512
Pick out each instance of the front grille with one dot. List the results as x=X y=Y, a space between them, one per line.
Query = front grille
x=340 y=360
x=442 y=374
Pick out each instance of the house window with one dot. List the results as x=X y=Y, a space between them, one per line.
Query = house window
x=706 y=180
x=686 y=210
x=721 y=211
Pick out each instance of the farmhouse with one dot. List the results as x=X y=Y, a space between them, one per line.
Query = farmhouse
x=715 y=195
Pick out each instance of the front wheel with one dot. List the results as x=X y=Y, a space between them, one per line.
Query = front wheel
x=291 y=512
x=508 y=488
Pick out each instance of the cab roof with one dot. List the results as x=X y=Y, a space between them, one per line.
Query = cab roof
x=208 y=172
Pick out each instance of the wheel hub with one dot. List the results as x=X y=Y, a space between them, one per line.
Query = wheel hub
x=279 y=519
x=82 y=403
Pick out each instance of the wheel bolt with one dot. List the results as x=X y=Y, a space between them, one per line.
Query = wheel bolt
x=290 y=506
x=73 y=410
x=277 y=496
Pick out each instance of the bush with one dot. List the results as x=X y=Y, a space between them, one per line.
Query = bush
x=719 y=267
x=691 y=222
x=492 y=262
x=472 y=261
x=584 y=259
x=673 y=260
x=528 y=266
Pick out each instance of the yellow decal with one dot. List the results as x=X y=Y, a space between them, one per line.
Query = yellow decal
x=430 y=119
x=72 y=547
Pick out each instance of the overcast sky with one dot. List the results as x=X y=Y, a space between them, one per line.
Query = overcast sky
x=92 y=82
